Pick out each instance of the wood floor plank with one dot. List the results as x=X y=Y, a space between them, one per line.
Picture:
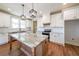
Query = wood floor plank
x=53 y=50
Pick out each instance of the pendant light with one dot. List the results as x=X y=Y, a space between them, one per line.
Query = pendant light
x=33 y=12
x=23 y=17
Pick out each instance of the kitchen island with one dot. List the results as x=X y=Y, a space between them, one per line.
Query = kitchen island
x=30 y=44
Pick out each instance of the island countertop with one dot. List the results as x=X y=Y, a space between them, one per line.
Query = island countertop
x=29 y=39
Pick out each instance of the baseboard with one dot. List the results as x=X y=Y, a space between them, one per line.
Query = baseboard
x=58 y=43
x=4 y=44
x=72 y=43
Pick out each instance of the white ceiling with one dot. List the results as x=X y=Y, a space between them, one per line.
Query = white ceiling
x=43 y=8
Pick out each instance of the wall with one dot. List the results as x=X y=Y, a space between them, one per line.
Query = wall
x=72 y=32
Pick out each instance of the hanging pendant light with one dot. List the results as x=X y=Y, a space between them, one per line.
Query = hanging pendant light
x=23 y=17
x=33 y=12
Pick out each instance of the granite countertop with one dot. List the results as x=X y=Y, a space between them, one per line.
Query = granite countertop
x=29 y=39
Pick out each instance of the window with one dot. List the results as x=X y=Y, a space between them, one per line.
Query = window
x=15 y=23
x=28 y=23
x=23 y=23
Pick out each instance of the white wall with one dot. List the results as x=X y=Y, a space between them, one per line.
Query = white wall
x=72 y=32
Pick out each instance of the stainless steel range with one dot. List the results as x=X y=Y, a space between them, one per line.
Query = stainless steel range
x=47 y=32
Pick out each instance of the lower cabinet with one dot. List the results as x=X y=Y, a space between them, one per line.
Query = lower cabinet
x=39 y=50
x=57 y=38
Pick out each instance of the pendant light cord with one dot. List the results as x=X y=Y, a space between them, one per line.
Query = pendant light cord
x=23 y=8
x=32 y=6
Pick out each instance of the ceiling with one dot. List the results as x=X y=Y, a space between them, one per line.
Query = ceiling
x=42 y=8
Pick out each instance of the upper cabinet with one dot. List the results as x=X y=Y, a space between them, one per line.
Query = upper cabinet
x=71 y=13
x=57 y=20
x=4 y=20
x=77 y=12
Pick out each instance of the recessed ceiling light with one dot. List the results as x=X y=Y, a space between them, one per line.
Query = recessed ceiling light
x=9 y=9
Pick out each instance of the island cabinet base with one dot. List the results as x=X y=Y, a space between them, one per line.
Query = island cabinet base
x=38 y=47
x=40 y=50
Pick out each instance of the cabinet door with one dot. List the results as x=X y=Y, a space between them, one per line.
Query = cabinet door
x=53 y=18
x=7 y=20
x=77 y=12
x=1 y=19
x=59 y=22
x=57 y=38
x=4 y=19
x=60 y=37
x=1 y=23
x=69 y=13
x=54 y=37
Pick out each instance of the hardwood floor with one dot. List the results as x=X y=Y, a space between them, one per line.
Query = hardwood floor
x=67 y=50
x=54 y=50
x=5 y=51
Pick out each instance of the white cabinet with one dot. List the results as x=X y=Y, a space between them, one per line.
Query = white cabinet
x=71 y=13
x=4 y=20
x=57 y=38
x=57 y=28
x=77 y=12
x=57 y=20
x=46 y=18
x=53 y=18
x=3 y=38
